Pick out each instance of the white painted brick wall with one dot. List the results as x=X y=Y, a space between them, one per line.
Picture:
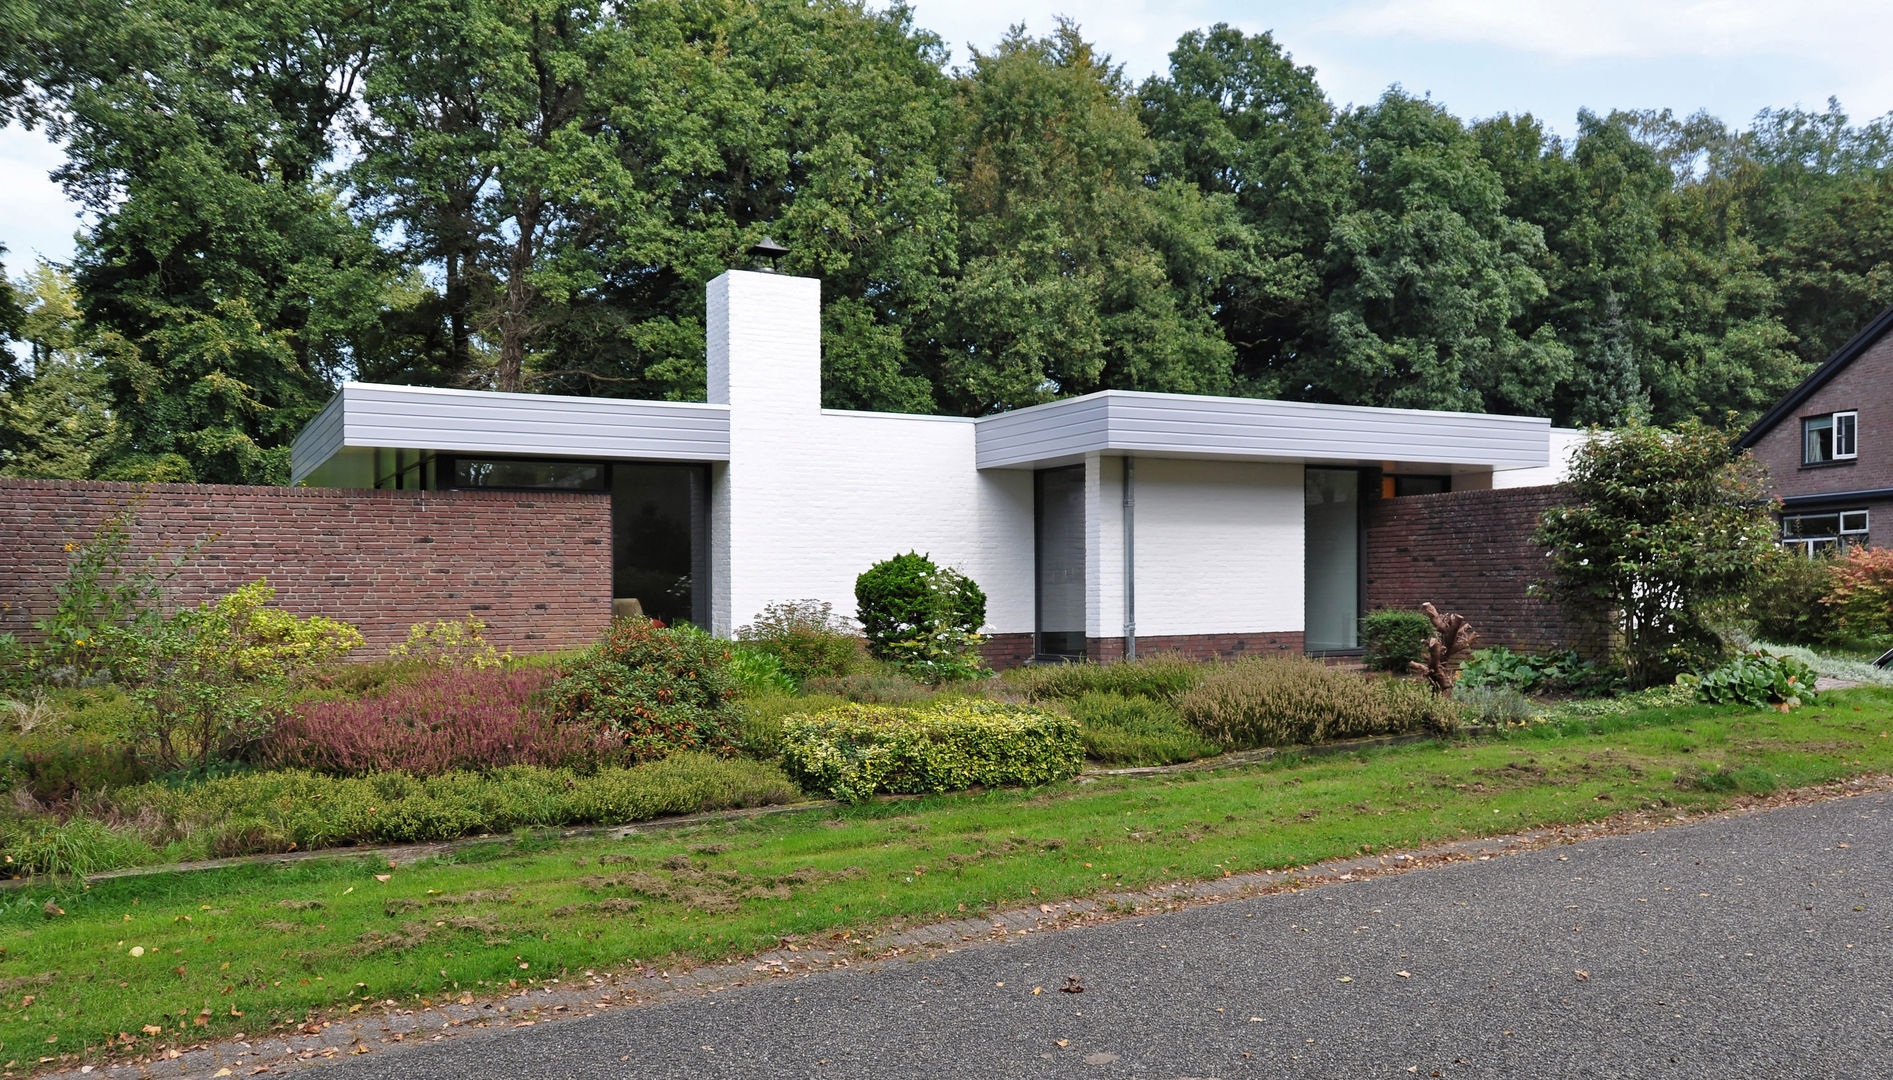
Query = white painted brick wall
x=811 y=497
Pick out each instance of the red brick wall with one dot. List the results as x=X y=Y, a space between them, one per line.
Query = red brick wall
x=1471 y=552
x=536 y=567
x=1004 y=651
x=1865 y=385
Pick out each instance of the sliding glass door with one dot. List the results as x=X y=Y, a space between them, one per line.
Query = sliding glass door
x=1332 y=532
x=1059 y=499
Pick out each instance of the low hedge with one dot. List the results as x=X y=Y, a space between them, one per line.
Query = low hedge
x=266 y=813
x=854 y=751
x=1283 y=701
x=1164 y=677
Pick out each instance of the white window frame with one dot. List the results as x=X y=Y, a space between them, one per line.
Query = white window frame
x=1847 y=420
x=1839 y=540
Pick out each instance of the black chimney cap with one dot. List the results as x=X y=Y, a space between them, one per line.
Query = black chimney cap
x=768 y=249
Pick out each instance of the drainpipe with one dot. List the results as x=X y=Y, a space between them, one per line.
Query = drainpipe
x=1130 y=557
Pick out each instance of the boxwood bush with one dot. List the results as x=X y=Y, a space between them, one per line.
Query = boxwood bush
x=1282 y=701
x=854 y=751
x=1394 y=638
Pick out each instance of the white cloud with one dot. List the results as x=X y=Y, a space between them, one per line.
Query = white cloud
x=1574 y=30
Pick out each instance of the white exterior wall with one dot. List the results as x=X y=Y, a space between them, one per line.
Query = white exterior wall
x=1218 y=548
x=1564 y=443
x=812 y=497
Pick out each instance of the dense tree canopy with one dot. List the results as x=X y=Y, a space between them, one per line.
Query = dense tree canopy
x=522 y=195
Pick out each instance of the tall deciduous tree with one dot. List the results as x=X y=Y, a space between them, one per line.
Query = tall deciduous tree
x=55 y=421
x=1076 y=274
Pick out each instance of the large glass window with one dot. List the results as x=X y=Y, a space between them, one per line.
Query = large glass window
x=1332 y=533
x=660 y=525
x=1834 y=437
x=1812 y=534
x=529 y=473
x=1060 y=560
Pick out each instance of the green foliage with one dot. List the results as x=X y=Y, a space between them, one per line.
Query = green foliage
x=922 y=618
x=1862 y=593
x=661 y=689
x=54 y=772
x=1662 y=533
x=1394 y=639
x=1283 y=701
x=1164 y=677
x=107 y=589
x=1496 y=705
x=1742 y=780
x=56 y=421
x=759 y=721
x=809 y=639
x=756 y=672
x=210 y=681
x=77 y=846
x=882 y=684
x=1121 y=729
x=15 y=663
x=855 y=751
x=457 y=643
x=1561 y=671
x=1754 y=679
x=1788 y=600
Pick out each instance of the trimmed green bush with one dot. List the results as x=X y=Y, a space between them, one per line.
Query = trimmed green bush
x=1121 y=729
x=1789 y=602
x=1164 y=677
x=660 y=689
x=922 y=617
x=1283 y=701
x=759 y=727
x=854 y=751
x=1394 y=638
x=809 y=639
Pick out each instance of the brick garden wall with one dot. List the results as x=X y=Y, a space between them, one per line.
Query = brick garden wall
x=536 y=567
x=1471 y=552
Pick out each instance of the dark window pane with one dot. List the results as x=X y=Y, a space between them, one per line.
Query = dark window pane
x=529 y=473
x=1817 y=439
x=1810 y=525
x=1421 y=485
x=1060 y=558
x=660 y=540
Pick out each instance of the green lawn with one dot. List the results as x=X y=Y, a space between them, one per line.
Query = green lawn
x=251 y=948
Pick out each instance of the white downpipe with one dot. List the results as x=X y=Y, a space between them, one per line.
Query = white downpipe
x=1130 y=557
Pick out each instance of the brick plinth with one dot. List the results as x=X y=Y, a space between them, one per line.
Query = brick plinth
x=536 y=567
x=1471 y=552
x=1199 y=646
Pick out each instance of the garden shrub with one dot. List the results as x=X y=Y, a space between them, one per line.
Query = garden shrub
x=660 y=690
x=808 y=638
x=756 y=672
x=467 y=718
x=1163 y=676
x=1394 y=638
x=274 y=811
x=1788 y=603
x=854 y=751
x=16 y=672
x=53 y=773
x=881 y=685
x=1500 y=706
x=211 y=681
x=1755 y=679
x=1563 y=670
x=450 y=644
x=105 y=590
x=921 y=617
x=1862 y=593
x=759 y=720
x=1283 y=701
x=1122 y=729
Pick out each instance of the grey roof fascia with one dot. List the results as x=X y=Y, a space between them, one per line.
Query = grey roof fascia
x=490 y=422
x=1820 y=497
x=1193 y=426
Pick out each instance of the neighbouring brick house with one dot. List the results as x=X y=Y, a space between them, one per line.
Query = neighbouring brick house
x=1829 y=446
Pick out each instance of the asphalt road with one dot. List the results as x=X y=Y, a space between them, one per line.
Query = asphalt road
x=1750 y=947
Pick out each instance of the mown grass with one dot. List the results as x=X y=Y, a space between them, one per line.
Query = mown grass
x=278 y=943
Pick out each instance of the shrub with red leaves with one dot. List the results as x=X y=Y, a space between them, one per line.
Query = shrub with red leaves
x=455 y=719
x=658 y=689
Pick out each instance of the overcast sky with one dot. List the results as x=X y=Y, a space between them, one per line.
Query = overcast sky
x=1479 y=57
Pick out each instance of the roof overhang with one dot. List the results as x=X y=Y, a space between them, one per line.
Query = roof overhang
x=376 y=416
x=1250 y=429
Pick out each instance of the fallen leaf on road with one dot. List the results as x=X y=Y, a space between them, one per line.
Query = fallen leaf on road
x=1037 y=990
x=1345 y=978
x=1583 y=975
x=1072 y=986
x=1404 y=974
x=1064 y=1042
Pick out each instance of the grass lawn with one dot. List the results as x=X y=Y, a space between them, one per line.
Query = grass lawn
x=252 y=948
